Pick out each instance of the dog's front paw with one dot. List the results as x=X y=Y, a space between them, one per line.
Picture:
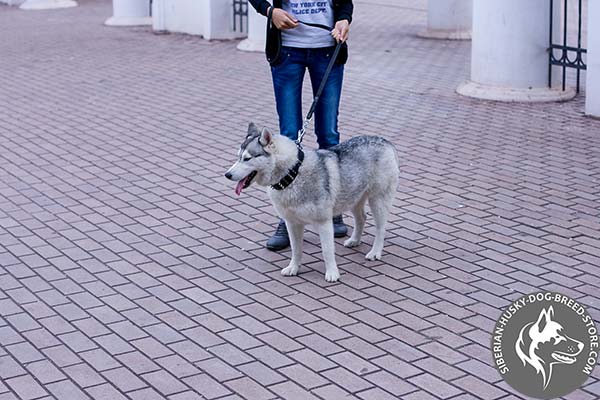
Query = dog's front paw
x=351 y=243
x=332 y=276
x=373 y=255
x=290 y=270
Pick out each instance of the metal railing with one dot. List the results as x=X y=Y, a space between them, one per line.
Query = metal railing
x=240 y=15
x=570 y=56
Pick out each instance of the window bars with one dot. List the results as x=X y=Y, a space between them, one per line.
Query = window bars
x=565 y=51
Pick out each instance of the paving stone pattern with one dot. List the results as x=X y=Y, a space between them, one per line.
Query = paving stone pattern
x=130 y=270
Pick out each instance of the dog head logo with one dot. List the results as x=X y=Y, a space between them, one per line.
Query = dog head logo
x=543 y=344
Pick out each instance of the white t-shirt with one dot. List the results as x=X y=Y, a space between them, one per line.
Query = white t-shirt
x=316 y=12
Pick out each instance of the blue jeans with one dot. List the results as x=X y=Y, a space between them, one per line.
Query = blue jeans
x=288 y=76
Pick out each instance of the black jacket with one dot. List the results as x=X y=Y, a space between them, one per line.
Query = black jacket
x=342 y=9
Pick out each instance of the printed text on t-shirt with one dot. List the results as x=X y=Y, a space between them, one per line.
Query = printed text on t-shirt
x=309 y=7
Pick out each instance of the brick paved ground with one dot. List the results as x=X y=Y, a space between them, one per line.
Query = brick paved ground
x=128 y=269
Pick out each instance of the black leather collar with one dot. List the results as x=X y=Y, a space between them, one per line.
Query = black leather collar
x=292 y=174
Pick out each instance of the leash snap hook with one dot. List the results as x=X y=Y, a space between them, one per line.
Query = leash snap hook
x=302 y=131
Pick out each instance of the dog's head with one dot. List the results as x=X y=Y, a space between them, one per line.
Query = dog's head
x=255 y=161
x=544 y=343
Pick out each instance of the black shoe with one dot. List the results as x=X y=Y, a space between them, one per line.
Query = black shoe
x=339 y=227
x=280 y=239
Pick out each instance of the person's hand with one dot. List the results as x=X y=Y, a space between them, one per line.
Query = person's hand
x=341 y=30
x=283 y=20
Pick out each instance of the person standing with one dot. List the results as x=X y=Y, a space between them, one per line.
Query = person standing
x=293 y=48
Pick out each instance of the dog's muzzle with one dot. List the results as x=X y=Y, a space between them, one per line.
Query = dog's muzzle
x=243 y=183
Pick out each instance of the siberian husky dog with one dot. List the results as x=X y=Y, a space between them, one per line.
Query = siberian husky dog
x=311 y=186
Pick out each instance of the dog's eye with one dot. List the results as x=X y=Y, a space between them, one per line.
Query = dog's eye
x=247 y=158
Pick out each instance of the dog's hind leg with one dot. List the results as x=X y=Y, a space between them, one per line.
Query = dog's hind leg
x=296 y=233
x=380 y=207
x=332 y=273
x=358 y=212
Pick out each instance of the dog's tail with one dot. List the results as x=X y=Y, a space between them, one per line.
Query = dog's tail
x=396 y=156
x=396 y=169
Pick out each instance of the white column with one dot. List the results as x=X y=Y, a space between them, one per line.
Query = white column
x=449 y=19
x=509 y=57
x=47 y=4
x=592 y=88
x=257 y=32
x=130 y=13
x=159 y=16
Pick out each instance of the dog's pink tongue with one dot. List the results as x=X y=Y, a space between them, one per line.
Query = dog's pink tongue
x=240 y=186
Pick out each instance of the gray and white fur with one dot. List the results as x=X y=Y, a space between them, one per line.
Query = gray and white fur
x=329 y=182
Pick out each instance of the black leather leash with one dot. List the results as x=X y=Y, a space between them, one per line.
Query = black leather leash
x=311 y=111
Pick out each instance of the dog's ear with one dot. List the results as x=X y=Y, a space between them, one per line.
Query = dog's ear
x=266 y=137
x=252 y=130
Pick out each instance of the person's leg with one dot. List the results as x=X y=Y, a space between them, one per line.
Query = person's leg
x=287 y=84
x=326 y=113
